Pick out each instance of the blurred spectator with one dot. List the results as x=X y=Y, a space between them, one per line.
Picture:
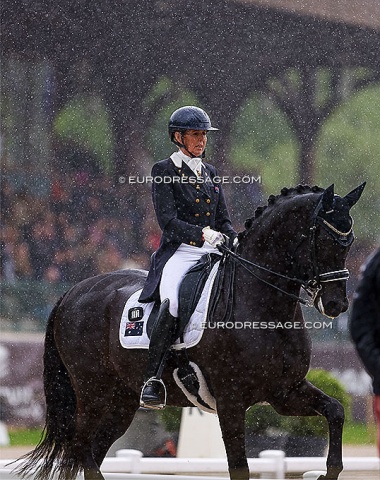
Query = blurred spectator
x=6 y=195
x=22 y=262
x=52 y=274
x=109 y=258
x=365 y=326
x=86 y=226
x=43 y=245
x=14 y=255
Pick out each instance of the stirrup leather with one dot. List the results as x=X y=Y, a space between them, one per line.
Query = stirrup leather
x=159 y=405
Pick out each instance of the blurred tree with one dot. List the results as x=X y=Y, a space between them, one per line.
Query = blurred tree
x=348 y=153
x=347 y=147
x=308 y=95
x=84 y=122
x=264 y=144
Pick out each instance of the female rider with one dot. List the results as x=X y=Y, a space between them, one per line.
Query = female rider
x=192 y=214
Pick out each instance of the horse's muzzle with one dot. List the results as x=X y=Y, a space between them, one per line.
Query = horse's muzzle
x=331 y=308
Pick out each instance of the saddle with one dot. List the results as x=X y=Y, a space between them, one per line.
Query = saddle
x=190 y=291
x=192 y=286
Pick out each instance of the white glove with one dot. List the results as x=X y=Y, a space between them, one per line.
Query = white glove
x=212 y=237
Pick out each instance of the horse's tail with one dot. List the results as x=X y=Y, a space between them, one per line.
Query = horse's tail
x=52 y=452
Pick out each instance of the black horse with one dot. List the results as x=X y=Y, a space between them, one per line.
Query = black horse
x=92 y=384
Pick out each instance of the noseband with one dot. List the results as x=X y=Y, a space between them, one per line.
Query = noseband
x=314 y=284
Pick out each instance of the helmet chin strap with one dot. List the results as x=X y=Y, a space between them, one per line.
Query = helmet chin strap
x=182 y=145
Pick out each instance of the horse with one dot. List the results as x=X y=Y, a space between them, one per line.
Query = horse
x=299 y=240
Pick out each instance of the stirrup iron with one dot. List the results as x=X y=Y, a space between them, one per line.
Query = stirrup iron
x=152 y=406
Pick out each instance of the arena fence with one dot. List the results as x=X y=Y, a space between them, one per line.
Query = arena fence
x=271 y=464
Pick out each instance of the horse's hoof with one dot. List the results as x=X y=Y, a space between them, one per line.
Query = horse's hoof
x=314 y=475
x=93 y=475
x=239 y=474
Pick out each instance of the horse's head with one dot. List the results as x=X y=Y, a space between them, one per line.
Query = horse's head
x=302 y=238
x=331 y=236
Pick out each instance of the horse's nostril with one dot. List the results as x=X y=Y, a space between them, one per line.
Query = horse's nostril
x=334 y=308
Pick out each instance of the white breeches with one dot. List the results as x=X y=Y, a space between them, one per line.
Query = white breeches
x=185 y=257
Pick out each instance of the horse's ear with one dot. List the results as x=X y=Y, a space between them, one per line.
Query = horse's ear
x=352 y=197
x=327 y=198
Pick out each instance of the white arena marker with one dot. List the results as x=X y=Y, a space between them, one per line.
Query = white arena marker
x=134 y=456
x=4 y=437
x=278 y=456
x=200 y=435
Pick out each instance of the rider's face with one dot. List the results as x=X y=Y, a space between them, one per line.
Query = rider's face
x=195 y=141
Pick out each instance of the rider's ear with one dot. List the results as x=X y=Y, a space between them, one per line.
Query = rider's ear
x=327 y=198
x=352 y=197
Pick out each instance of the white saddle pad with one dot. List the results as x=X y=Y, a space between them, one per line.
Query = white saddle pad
x=132 y=332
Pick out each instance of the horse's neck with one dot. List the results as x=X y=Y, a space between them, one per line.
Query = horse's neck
x=265 y=251
x=273 y=252
x=274 y=237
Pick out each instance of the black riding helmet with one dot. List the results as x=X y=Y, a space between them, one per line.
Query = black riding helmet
x=188 y=118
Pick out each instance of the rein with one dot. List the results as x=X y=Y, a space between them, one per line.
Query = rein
x=243 y=262
x=314 y=285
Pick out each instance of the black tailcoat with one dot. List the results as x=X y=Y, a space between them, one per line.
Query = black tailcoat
x=183 y=206
x=365 y=319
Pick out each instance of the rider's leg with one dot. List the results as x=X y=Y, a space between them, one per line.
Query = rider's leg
x=163 y=336
x=153 y=392
x=164 y=330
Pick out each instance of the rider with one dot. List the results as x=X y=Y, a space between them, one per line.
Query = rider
x=192 y=213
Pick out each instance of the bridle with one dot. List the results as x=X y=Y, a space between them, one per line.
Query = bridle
x=314 y=284
x=344 y=239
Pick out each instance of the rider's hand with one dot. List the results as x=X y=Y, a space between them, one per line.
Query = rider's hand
x=212 y=237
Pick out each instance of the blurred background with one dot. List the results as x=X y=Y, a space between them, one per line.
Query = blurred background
x=86 y=92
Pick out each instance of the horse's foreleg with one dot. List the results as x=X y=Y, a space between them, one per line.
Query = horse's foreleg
x=307 y=400
x=231 y=420
x=334 y=413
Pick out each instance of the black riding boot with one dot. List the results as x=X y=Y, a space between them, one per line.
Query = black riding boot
x=153 y=394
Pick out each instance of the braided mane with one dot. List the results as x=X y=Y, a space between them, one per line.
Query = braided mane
x=285 y=192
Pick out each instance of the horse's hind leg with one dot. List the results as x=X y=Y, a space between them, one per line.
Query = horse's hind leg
x=87 y=419
x=115 y=421
x=307 y=400
x=92 y=403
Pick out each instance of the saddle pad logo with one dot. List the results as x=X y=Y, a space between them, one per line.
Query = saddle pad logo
x=134 y=329
x=135 y=313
